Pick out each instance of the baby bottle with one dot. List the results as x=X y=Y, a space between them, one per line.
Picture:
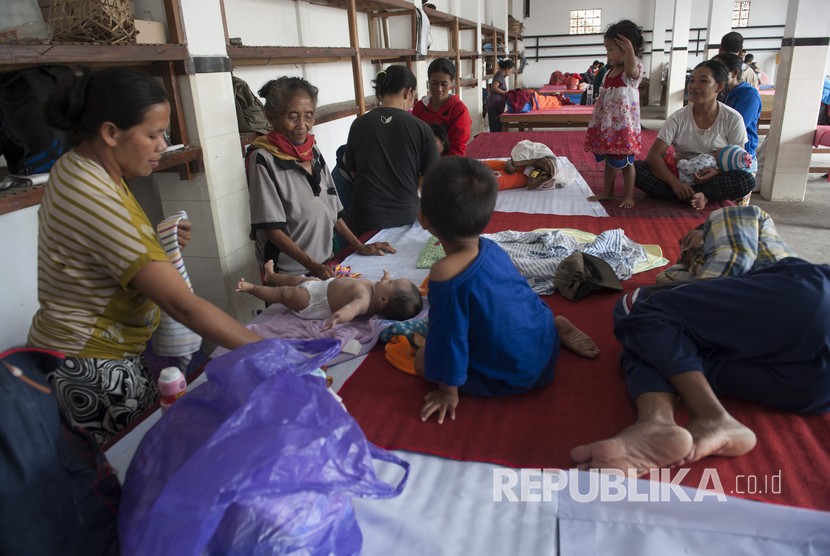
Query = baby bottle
x=172 y=385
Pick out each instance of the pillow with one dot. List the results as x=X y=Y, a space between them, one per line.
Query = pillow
x=432 y=252
x=515 y=180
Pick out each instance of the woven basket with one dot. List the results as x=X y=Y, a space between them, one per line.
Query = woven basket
x=109 y=21
x=514 y=26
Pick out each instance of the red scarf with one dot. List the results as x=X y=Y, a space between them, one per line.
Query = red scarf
x=283 y=148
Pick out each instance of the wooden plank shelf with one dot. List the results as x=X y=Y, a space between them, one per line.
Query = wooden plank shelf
x=323 y=114
x=18 y=198
x=265 y=55
x=16 y=56
x=390 y=7
x=185 y=161
x=387 y=54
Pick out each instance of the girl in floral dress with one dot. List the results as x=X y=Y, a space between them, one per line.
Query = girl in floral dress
x=614 y=132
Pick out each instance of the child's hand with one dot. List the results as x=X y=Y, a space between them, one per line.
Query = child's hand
x=332 y=321
x=440 y=402
x=624 y=43
x=243 y=286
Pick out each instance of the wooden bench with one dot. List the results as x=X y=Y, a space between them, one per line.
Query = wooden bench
x=821 y=142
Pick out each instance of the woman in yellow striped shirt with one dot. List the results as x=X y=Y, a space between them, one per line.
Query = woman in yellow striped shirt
x=102 y=273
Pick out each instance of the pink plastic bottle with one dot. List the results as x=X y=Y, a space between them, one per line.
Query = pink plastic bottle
x=172 y=385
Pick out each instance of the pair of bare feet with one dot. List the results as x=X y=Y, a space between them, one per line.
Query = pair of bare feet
x=627 y=202
x=655 y=442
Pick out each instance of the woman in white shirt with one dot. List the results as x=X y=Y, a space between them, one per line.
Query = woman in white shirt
x=704 y=126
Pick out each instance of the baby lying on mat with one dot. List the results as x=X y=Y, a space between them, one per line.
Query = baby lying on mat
x=338 y=300
x=731 y=157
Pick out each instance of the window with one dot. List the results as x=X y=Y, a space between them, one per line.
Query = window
x=527 y=8
x=585 y=21
x=740 y=14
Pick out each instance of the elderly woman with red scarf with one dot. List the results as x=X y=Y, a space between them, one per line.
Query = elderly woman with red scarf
x=294 y=204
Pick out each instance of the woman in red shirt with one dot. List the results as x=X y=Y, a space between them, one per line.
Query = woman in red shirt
x=440 y=106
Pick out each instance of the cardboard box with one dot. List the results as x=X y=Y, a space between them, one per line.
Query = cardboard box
x=150 y=32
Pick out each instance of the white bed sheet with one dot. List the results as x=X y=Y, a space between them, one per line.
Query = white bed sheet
x=569 y=200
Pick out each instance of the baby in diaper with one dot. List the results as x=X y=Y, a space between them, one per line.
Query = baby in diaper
x=338 y=300
x=731 y=157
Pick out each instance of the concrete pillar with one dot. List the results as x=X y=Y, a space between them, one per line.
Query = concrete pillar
x=720 y=23
x=662 y=21
x=798 y=85
x=216 y=200
x=679 y=55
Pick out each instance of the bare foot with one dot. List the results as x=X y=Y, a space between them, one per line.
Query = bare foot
x=719 y=436
x=418 y=340
x=642 y=446
x=574 y=339
x=602 y=197
x=699 y=200
x=627 y=203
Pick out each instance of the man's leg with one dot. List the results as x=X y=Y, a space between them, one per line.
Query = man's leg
x=653 y=441
x=674 y=336
x=764 y=336
x=714 y=431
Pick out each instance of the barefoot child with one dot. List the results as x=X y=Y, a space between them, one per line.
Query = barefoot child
x=338 y=300
x=614 y=132
x=490 y=334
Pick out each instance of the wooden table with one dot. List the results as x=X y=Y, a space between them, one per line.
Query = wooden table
x=566 y=116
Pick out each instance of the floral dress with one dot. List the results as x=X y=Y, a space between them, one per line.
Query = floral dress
x=615 y=123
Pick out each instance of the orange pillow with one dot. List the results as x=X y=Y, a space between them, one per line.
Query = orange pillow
x=505 y=180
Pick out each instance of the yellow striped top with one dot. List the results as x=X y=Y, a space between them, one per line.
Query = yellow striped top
x=93 y=239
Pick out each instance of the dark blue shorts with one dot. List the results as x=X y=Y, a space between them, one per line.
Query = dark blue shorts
x=615 y=161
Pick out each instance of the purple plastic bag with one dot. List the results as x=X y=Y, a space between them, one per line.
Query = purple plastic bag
x=259 y=460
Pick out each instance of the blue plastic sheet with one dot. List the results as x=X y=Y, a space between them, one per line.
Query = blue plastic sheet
x=259 y=460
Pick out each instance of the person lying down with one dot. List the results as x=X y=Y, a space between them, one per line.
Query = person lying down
x=337 y=300
x=732 y=242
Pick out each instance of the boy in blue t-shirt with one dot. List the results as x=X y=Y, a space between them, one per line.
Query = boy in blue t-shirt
x=489 y=333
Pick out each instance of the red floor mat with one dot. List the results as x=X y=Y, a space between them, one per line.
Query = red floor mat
x=587 y=400
x=570 y=145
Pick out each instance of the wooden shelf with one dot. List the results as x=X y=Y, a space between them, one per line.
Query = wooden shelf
x=17 y=56
x=183 y=160
x=387 y=54
x=390 y=7
x=18 y=198
x=323 y=114
x=264 y=55
x=186 y=161
x=441 y=19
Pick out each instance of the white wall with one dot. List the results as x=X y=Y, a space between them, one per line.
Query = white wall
x=545 y=19
x=18 y=281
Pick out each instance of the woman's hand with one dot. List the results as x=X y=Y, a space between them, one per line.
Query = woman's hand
x=707 y=174
x=380 y=248
x=322 y=271
x=185 y=233
x=681 y=190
